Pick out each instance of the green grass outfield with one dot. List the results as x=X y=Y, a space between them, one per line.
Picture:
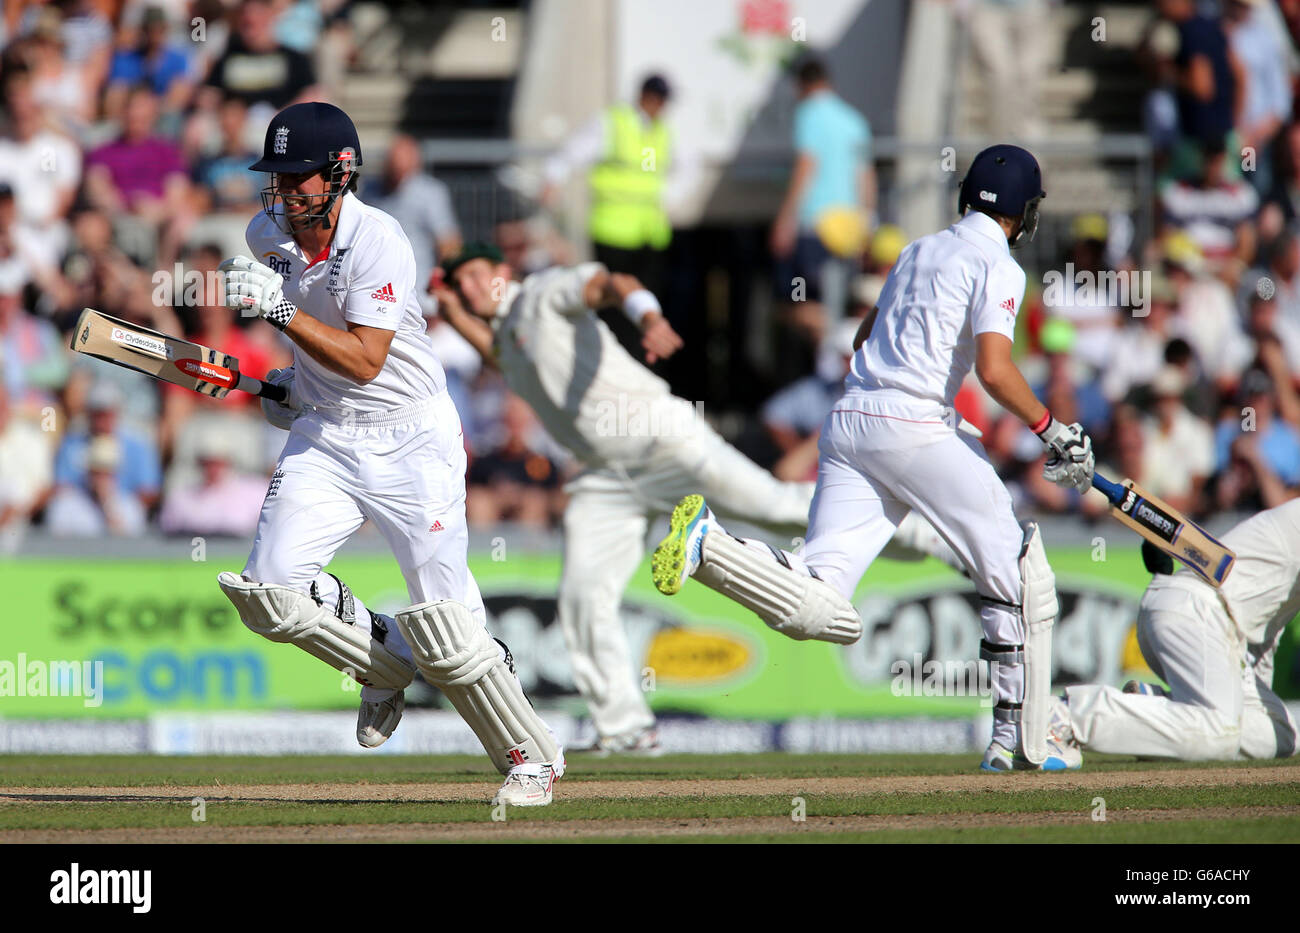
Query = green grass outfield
x=727 y=798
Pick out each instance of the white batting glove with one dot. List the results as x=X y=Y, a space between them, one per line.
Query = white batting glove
x=281 y=414
x=1070 y=460
x=251 y=286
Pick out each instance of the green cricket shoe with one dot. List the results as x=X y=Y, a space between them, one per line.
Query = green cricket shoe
x=678 y=554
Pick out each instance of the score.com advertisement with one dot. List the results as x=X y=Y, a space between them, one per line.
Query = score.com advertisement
x=118 y=638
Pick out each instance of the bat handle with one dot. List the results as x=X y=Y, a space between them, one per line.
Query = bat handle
x=262 y=389
x=1112 y=491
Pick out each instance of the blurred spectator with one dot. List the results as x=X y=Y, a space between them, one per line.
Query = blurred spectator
x=1215 y=212
x=64 y=92
x=1013 y=82
x=419 y=202
x=1143 y=341
x=256 y=67
x=144 y=175
x=154 y=59
x=1070 y=389
x=223 y=181
x=135 y=467
x=1257 y=453
x=1205 y=74
x=1178 y=447
x=95 y=273
x=1207 y=314
x=793 y=417
x=887 y=244
x=222 y=502
x=1280 y=278
x=1260 y=49
x=1277 y=340
x=43 y=168
x=32 y=353
x=832 y=182
x=97 y=505
x=514 y=482
x=1092 y=317
x=26 y=470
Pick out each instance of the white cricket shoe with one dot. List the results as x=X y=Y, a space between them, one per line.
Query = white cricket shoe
x=376 y=719
x=678 y=554
x=1063 y=753
x=530 y=785
x=643 y=743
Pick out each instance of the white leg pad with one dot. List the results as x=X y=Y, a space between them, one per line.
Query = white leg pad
x=793 y=603
x=1040 y=608
x=283 y=614
x=456 y=654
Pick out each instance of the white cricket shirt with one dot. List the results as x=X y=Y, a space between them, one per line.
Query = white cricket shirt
x=590 y=394
x=944 y=289
x=367 y=277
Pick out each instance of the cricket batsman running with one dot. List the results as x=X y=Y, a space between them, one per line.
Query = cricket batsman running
x=891 y=447
x=1214 y=648
x=372 y=435
x=643 y=449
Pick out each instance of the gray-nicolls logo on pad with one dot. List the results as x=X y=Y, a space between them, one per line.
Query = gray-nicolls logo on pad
x=103 y=886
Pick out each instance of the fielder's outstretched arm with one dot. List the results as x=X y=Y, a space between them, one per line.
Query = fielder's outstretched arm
x=475 y=330
x=620 y=290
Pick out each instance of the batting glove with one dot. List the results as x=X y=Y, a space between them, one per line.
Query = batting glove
x=1070 y=460
x=281 y=414
x=251 y=286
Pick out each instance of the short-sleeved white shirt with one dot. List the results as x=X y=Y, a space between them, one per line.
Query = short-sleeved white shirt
x=944 y=289
x=590 y=394
x=368 y=278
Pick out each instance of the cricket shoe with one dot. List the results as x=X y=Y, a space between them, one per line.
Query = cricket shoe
x=1141 y=688
x=376 y=719
x=1063 y=753
x=530 y=785
x=678 y=555
x=643 y=743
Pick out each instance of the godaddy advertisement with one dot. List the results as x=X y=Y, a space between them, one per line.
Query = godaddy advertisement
x=126 y=638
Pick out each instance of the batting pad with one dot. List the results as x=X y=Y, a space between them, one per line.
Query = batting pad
x=789 y=601
x=456 y=654
x=1040 y=608
x=283 y=614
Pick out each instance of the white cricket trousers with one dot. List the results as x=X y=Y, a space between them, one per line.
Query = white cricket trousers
x=1221 y=706
x=402 y=470
x=605 y=526
x=886 y=455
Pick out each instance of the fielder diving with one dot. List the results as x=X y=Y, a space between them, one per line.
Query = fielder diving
x=643 y=449
x=1214 y=648
x=373 y=436
x=891 y=447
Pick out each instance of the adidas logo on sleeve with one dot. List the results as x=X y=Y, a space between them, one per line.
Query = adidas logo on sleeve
x=385 y=293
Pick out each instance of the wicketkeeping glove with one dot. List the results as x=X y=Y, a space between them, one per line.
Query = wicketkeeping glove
x=251 y=286
x=1070 y=460
x=281 y=414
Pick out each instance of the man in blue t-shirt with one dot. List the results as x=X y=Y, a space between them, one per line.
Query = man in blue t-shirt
x=832 y=175
x=155 y=62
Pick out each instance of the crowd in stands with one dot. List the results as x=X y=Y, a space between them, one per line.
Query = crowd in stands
x=124 y=150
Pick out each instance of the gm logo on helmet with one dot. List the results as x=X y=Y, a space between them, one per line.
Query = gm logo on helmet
x=989 y=196
x=276 y=262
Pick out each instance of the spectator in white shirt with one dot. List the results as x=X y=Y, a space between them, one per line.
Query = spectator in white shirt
x=1178 y=447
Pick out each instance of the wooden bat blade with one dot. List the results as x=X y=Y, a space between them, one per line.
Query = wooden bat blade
x=170 y=359
x=1168 y=529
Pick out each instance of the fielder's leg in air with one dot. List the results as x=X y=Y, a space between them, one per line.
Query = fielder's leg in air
x=891 y=447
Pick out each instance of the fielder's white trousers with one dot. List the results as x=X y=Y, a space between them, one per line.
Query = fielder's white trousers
x=883 y=456
x=605 y=526
x=1221 y=705
x=404 y=471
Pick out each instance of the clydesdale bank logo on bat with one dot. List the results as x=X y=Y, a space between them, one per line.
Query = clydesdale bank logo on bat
x=140 y=342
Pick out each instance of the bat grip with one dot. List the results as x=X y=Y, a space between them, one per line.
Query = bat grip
x=1112 y=491
x=273 y=392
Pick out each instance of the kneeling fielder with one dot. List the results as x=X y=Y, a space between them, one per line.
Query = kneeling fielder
x=891 y=447
x=643 y=448
x=374 y=436
x=1214 y=648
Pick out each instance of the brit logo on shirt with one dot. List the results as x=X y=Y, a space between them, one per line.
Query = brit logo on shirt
x=276 y=262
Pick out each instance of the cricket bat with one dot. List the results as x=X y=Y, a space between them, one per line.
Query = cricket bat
x=1168 y=529
x=171 y=359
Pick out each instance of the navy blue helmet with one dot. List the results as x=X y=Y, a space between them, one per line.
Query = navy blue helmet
x=307 y=138
x=1005 y=180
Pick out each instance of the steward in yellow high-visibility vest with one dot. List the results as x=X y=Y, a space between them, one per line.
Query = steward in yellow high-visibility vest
x=627 y=183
